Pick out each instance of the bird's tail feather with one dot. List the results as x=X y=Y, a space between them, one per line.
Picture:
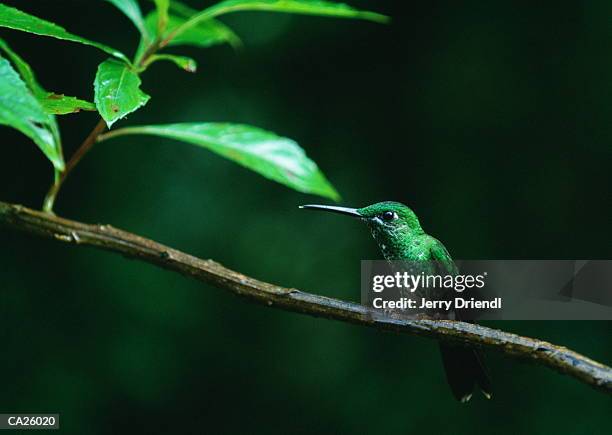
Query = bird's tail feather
x=465 y=369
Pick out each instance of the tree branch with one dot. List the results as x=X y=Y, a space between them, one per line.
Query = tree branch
x=111 y=239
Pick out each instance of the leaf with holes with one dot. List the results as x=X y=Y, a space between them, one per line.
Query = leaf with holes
x=117 y=91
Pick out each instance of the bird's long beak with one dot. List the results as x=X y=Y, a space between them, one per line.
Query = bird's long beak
x=340 y=210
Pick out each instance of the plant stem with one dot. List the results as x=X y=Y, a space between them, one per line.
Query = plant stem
x=74 y=160
x=150 y=51
x=89 y=142
x=121 y=132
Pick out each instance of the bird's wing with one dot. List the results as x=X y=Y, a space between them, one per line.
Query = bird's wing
x=443 y=260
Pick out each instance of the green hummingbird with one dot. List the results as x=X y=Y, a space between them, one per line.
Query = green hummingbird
x=399 y=235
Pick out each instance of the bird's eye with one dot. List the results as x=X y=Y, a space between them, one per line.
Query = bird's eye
x=389 y=215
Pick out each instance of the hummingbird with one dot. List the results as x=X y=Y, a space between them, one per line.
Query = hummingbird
x=400 y=237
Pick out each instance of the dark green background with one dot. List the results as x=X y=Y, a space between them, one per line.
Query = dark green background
x=491 y=119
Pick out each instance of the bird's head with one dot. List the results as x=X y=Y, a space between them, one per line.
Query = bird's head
x=392 y=224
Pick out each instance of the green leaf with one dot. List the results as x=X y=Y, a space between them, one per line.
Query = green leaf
x=51 y=102
x=27 y=74
x=186 y=63
x=306 y=7
x=25 y=71
x=131 y=9
x=58 y=104
x=117 y=91
x=277 y=158
x=181 y=9
x=15 y=19
x=205 y=34
x=162 y=14
x=21 y=110
x=212 y=29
